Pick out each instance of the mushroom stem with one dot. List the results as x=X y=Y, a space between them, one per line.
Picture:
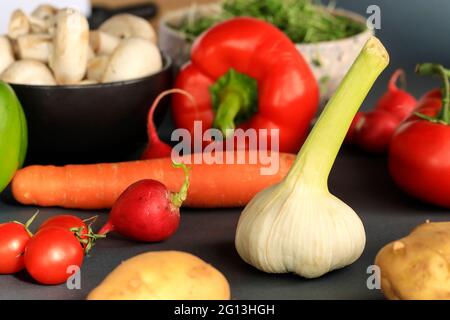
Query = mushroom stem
x=69 y=57
x=34 y=46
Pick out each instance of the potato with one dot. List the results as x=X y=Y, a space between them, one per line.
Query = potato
x=417 y=267
x=163 y=275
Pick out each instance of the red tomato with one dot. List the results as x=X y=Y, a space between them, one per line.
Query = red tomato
x=13 y=239
x=375 y=130
x=65 y=221
x=419 y=161
x=50 y=253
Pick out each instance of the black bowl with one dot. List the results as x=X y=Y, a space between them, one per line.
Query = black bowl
x=92 y=123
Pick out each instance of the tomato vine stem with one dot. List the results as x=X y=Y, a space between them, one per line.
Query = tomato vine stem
x=437 y=69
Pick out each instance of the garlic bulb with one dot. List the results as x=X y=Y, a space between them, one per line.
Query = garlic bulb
x=297 y=225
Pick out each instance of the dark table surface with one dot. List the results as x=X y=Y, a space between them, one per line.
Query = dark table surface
x=361 y=181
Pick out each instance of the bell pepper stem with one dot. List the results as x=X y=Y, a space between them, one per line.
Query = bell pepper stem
x=437 y=69
x=226 y=113
x=315 y=160
x=178 y=198
x=234 y=98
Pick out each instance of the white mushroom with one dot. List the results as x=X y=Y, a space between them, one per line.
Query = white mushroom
x=18 y=24
x=103 y=43
x=42 y=26
x=133 y=58
x=87 y=82
x=126 y=26
x=34 y=46
x=6 y=53
x=43 y=19
x=69 y=56
x=91 y=54
x=29 y=72
x=37 y=25
x=44 y=12
x=96 y=68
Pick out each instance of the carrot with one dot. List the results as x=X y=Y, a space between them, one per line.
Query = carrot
x=98 y=186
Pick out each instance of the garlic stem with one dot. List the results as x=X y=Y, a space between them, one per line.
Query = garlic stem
x=315 y=160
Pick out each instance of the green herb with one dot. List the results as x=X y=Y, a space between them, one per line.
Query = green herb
x=303 y=21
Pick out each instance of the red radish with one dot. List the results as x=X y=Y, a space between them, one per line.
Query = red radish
x=147 y=211
x=397 y=101
x=156 y=148
x=353 y=130
x=375 y=131
x=372 y=131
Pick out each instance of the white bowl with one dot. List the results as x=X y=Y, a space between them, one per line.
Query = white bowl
x=329 y=60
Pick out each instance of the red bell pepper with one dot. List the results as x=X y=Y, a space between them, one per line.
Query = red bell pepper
x=419 y=156
x=245 y=73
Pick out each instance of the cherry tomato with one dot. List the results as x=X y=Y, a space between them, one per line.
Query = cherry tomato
x=66 y=221
x=50 y=253
x=13 y=239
